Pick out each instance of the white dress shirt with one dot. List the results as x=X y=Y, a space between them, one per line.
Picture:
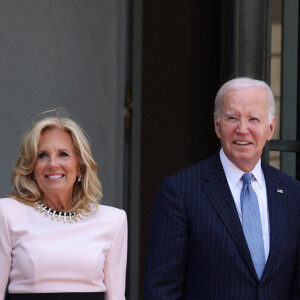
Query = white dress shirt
x=233 y=175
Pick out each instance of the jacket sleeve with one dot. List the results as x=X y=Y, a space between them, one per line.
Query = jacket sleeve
x=115 y=265
x=5 y=253
x=295 y=286
x=167 y=248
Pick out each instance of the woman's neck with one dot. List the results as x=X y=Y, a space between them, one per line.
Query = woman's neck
x=57 y=203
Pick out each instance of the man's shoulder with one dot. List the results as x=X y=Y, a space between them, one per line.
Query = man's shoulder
x=190 y=179
x=270 y=171
x=204 y=166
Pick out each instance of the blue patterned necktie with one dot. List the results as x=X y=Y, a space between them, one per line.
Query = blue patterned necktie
x=252 y=224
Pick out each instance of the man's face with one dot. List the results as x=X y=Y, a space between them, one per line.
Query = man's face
x=244 y=126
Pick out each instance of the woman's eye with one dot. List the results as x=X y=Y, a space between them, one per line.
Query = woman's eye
x=63 y=154
x=42 y=155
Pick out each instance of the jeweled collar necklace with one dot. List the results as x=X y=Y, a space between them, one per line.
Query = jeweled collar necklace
x=59 y=215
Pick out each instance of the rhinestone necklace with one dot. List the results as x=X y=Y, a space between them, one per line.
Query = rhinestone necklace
x=76 y=215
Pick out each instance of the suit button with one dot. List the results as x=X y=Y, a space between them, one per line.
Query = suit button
x=260 y=290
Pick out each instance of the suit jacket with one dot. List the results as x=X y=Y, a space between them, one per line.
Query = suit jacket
x=197 y=248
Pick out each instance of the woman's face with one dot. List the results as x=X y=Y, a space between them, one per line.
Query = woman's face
x=57 y=165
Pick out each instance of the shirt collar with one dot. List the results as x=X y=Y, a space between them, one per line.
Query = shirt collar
x=234 y=174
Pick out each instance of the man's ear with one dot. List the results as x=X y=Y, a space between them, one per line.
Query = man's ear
x=271 y=128
x=217 y=125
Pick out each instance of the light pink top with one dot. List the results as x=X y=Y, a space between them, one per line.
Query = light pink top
x=40 y=255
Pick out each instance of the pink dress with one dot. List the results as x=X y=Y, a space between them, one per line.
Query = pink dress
x=40 y=255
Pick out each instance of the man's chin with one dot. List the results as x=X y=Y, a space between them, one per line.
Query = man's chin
x=245 y=162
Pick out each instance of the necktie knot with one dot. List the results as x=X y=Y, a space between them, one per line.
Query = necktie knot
x=246 y=178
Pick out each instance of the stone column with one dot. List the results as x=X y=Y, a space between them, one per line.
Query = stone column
x=246 y=39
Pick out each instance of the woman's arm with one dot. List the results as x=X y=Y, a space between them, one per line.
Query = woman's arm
x=115 y=265
x=5 y=253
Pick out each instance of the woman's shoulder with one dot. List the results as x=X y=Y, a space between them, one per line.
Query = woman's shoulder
x=110 y=214
x=12 y=208
x=10 y=203
x=111 y=211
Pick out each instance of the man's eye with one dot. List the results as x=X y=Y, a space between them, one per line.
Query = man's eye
x=63 y=154
x=42 y=155
x=232 y=118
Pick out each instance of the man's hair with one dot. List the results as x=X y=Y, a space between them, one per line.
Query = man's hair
x=242 y=83
x=26 y=190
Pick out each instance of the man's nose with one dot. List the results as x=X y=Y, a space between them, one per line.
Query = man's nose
x=242 y=126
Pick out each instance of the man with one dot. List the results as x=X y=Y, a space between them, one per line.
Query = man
x=219 y=234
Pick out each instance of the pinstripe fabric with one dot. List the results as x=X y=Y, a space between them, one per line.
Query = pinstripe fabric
x=197 y=249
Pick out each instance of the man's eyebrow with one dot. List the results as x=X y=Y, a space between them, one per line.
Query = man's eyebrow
x=258 y=116
x=229 y=113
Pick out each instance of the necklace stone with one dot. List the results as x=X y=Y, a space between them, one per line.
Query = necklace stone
x=59 y=215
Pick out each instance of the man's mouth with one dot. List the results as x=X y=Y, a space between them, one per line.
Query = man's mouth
x=241 y=143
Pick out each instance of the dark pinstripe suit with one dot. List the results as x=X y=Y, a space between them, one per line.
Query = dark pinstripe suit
x=197 y=249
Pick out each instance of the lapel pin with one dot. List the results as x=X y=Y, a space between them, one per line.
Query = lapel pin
x=280 y=191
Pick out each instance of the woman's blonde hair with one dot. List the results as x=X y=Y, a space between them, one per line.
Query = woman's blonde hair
x=87 y=191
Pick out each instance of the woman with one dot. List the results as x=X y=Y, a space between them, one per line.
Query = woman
x=56 y=241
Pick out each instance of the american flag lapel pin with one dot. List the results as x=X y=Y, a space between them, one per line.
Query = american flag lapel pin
x=280 y=191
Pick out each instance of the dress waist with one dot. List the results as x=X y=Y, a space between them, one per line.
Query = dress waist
x=56 y=296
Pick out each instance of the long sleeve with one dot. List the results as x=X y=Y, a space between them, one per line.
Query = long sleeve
x=295 y=287
x=5 y=254
x=115 y=264
x=167 y=249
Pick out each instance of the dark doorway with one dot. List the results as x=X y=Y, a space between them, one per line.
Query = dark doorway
x=180 y=77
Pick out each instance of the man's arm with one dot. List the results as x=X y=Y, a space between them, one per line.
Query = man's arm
x=167 y=248
x=295 y=287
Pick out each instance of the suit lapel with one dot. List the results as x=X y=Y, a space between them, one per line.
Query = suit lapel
x=218 y=192
x=276 y=204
